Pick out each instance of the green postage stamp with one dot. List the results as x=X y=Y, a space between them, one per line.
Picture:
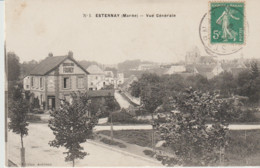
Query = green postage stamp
x=227 y=22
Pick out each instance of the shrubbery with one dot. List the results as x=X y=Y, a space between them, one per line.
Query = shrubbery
x=125 y=118
x=33 y=118
x=38 y=111
x=111 y=142
x=149 y=153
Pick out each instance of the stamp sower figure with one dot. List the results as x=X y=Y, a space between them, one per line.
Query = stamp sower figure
x=228 y=33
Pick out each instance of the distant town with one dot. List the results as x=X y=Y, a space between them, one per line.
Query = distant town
x=143 y=112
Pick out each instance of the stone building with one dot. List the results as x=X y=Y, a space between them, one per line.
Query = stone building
x=54 y=78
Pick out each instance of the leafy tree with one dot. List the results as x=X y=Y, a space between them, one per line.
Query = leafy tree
x=254 y=70
x=198 y=82
x=249 y=83
x=172 y=82
x=13 y=66
x=135 y=89
x=18 y=108
x=72 y=125
x=186 y=133
x=26 y=67
x=225 y=83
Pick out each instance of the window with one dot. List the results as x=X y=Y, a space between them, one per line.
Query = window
x=41 y=82
x=32 y=81
x=80 y=82
x=96 y=77
x=66 y=82
x=91 y=83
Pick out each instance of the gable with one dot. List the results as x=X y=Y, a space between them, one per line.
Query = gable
x=70 y=67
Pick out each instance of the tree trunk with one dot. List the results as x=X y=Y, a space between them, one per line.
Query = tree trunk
x=73 y=163
x=111 y=124
x=153 y=133
x=22 y=153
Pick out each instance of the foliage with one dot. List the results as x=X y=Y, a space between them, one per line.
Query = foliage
x=242 y=145
x=13 y=66
x=249 y=83
x=111 y=104
x=149 y=152
x=135 y=89
x=186 y=132
x=112 y=142
x=198 y=82
x=26 y=67
x=33 y=118
x=128 y=64
x=138 y=137
x=225 y=82
x=18 y=109
x=72 y=125
x=123 y=117
x=37 y=111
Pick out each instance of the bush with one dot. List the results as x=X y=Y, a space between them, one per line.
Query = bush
x=111 y=142
x=125 y=118
x=246 y=115
x=37 y=111
x=149 y=153
x=33 y=118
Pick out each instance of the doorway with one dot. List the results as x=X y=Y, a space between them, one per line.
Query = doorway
x=51 y=102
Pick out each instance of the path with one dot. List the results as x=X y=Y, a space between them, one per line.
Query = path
x=39 y=153
x=121 y=100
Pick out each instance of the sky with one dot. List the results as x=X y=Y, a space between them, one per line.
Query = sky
x=36 y=27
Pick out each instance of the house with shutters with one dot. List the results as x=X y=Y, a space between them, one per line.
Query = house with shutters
x=96 y=78
x=54 y=79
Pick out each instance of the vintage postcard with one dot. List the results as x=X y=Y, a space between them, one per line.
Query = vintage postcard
x=132 y=83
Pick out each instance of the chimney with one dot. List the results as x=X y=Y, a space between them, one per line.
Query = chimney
x=70 y=54
x=50 y=54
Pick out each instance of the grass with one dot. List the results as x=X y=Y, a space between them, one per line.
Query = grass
x=243 y=150
x=114 y=143
x=33 y=118
x=138 y=137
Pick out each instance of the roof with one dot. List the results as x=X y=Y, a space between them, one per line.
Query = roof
x=207 y=59
x=94 y=69
x=51 y=63
x=101 y=93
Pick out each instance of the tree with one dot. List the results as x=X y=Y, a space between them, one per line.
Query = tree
x=135 y=89
x=254 y=70
x=186 y=133
x=225 y=83
x=13 y=66
x=111 y=105
x=72 y=124
x=249 y=83
x=198 y=82
x=18 y=108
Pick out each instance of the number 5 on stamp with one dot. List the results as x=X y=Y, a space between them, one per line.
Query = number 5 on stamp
x=227 y=22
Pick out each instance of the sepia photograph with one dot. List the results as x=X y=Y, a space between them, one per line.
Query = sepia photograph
x=134 y=83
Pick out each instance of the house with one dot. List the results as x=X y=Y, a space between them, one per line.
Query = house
x=128 y=81
x=234 y=68
x=113 y=78
x=175 y=69
x=96 y=78
x=53 y=80
x=208 y=71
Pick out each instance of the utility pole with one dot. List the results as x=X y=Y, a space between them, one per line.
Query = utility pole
x=111 y=125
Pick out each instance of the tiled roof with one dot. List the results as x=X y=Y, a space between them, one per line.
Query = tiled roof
x=50 y=63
